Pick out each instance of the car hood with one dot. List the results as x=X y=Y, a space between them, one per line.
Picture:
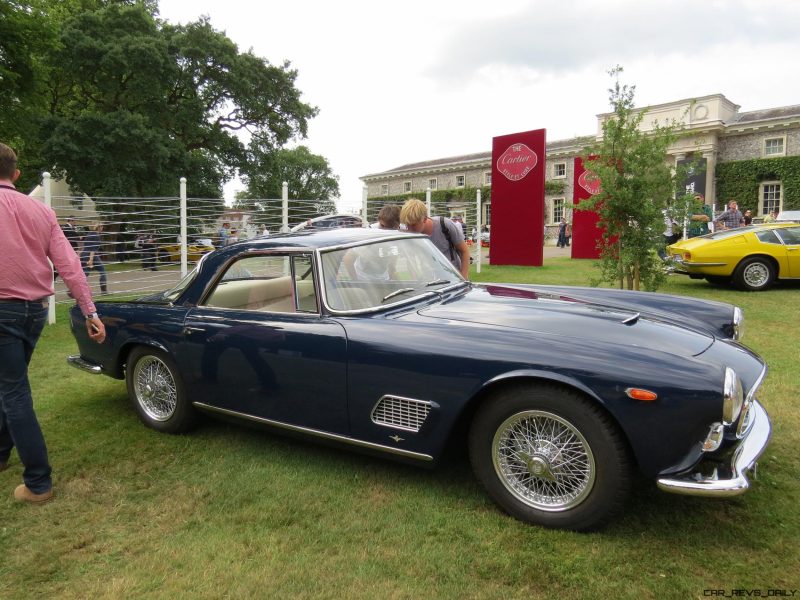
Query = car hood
x=549 y=313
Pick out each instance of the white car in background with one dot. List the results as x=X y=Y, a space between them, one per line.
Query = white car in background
x=329 y=222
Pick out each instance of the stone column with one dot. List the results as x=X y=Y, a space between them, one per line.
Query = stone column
x=711 y=167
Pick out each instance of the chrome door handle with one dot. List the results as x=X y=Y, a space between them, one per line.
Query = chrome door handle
x=190 y=330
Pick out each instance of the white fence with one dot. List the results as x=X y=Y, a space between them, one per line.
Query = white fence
x=148 y=244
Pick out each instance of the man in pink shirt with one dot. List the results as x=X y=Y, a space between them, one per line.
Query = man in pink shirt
x=29 y=236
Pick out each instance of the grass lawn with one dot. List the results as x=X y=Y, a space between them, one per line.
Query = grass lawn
x=232 y=512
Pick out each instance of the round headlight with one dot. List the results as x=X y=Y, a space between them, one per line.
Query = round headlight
x=738 y=323
x=732 y=397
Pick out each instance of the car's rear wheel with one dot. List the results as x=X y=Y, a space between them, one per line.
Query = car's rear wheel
x=754 y=274
x=718 y=279
x=550 y=457
x=157 y=392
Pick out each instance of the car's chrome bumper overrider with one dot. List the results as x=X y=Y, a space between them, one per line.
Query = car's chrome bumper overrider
x=717 y=479
x=84 y=365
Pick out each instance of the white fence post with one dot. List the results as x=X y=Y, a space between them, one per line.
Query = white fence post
x=364 y=214
x=428 y=200
x=48 y=201
x=184 y=231
x=285 y=207
x=478 y=230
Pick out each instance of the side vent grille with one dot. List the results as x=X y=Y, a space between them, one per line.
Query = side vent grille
x=401 y=413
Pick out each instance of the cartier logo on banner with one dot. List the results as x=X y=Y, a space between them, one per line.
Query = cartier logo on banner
x=517 y=161
x=590 y=182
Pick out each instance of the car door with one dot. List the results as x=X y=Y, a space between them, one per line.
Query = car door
x=791 y=240
x=256 y=345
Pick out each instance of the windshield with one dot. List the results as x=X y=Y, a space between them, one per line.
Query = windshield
x=173 y=294
x=384 y=272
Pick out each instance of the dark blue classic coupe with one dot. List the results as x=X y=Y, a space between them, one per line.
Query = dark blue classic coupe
x=372 y=339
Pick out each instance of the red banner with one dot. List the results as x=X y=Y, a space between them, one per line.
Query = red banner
x=518 y=164
x=586 y=235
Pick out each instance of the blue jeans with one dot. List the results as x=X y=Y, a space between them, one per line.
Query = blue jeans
x=97 y=265
x=21 y=323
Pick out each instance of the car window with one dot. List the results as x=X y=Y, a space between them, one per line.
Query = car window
x=267 y=283
x=768 y=236
x=790 y=235
x=384 y=272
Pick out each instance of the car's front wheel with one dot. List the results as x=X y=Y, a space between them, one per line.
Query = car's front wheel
x=754 y=274
x=550 y=457
x=157 y=392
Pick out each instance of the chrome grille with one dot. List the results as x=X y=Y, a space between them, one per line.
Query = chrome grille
x=401 y=413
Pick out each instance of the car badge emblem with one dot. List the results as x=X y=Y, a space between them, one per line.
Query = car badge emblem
x=396 y=438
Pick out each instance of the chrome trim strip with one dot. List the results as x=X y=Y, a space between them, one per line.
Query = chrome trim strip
x=743 y=459
x=689 y=265
x=76 y=361
x=316 y=432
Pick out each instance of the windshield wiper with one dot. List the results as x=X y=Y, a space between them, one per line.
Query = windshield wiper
x=397 y=293
x=437 y=282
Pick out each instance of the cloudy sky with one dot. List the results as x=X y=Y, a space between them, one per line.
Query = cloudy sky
x=416 y=80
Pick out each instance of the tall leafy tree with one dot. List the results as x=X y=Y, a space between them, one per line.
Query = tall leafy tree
x=309 y=177
x=636 y=186
x=131 y=103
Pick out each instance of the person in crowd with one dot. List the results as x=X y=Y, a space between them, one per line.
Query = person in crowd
x=224 y=233
x=90 y=256
x=232 y=238
x=263 y=231
x=71 y=233
x=568 y=233
x=30 y=238
x=146 y=244
x=562 y=233
x=389 y=217
x=670 y=235
x=701 y=217
x=747 y=217
x=772 y=216
x=730 y=218
x=445 y=235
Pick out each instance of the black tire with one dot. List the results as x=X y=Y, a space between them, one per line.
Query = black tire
x=718 y=279
x=157 y=392
x=576 y=447
x=754 y=274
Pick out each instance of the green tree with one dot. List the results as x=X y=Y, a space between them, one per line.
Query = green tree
x=309 y=178
x=130 y=103
x=636 y=186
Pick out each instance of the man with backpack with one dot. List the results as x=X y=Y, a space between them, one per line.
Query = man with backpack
x=445 y=235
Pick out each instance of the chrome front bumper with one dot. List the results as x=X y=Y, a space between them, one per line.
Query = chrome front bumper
x=79 y=363
x=726 y=479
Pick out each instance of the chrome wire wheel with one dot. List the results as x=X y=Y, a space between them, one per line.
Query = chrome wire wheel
x=543 y=460
x=756 y=275
x=155 y=388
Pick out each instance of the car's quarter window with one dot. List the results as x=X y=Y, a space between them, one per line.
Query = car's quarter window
x=790 y=235
x=768 y=237
x=269 y=283
x=384 y=272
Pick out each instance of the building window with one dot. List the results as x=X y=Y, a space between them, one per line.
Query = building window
x=775 y=146
x=487 y=178
x=460 y=180
x=406 y=186
x=770 y=197
x=559 y=171
x=384 y=189
x=432 y=183
x=558 y=210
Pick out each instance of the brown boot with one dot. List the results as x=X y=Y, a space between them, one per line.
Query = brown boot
x=23 y=494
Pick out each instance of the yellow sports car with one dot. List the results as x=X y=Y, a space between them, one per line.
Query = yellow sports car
x=172 y=252
x=751 y=257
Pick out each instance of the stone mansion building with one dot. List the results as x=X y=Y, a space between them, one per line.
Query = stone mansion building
x=715 y=129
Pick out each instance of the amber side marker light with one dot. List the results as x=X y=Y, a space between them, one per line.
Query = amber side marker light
x=640 y=394
x=687 y=256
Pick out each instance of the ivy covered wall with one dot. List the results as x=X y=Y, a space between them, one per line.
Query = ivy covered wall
x=740 y=180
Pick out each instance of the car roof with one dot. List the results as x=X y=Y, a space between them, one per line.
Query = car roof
x=318 y=238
